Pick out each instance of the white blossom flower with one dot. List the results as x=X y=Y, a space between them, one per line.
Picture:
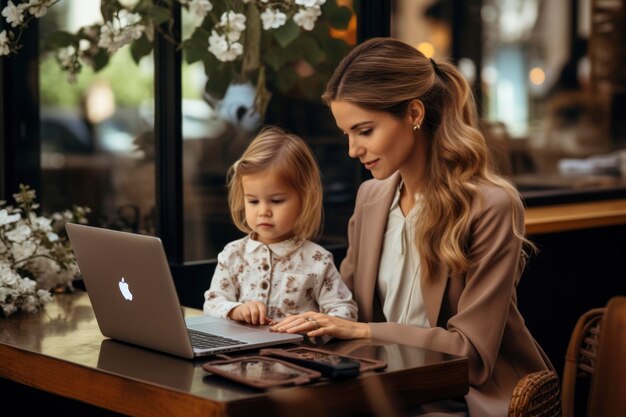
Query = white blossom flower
x=129 y=4
x=306 y=18
x=19 y=234
x=121 y=31
x=233 y=22
x=9 y=309
x=26 y=285
x=310 y=3
x=39 y=8
x=6 y=218
x=23 y=250
x=14 y=14
x=273 y=19
x=44 y=296
x=4 y=43
x=34 y=259
x=67 y=57
x=200 y=7
x=9 y=278
x=43 y=223
x=222 y=49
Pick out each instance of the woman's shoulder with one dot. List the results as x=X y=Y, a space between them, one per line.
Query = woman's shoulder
x=494 y=197
x=372 y=189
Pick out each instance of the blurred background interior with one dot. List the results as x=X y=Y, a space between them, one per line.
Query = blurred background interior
x=548 y=75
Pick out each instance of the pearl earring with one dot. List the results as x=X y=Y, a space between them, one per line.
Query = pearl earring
x=417 y=126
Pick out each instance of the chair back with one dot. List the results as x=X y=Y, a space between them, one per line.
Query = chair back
x=580 y=358
x=536 y=395
x=608 y=383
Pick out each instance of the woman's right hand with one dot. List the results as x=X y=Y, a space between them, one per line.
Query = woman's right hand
x=252 y=312
x=318 y=324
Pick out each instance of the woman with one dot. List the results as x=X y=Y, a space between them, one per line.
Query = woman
x=436 y=241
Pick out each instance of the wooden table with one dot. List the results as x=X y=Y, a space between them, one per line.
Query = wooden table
x=60 y=350
x=575 y=216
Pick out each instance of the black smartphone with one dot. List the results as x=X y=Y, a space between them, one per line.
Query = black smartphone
x=329 y=364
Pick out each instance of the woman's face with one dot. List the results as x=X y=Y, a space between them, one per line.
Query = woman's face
x=383 y=143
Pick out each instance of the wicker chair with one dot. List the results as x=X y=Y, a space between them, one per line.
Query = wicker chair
x=596 y=356
x=580 y=359
x=595 y=362
x=607 y=396
x=536 y=395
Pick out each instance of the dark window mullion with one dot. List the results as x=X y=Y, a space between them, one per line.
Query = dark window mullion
x=20 y=142
x=168 y=140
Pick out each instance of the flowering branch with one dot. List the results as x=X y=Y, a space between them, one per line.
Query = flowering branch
x=264 y=41
x=34 y=255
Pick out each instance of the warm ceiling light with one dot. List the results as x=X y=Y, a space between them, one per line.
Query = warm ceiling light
x=537 y=76
x=427 y=49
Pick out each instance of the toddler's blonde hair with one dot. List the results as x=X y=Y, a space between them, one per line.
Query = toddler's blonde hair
x=291 y=158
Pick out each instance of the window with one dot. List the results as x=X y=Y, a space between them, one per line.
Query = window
x=96 y=131
x=549 y=99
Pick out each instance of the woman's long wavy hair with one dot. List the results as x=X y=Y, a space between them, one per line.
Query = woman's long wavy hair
x=385 y=75
x=292 y=159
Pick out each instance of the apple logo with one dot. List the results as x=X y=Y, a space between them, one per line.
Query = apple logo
x=125 y=290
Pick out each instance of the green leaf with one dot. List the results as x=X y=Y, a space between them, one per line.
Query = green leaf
x=100 y=59
x=140 y=48
x=286 y=79
x=310 y=49
x=159 y=14
x=143 y=6
x=274 y=57
x=335 y=50
x=108 y=8
x=219 y=79
x=336 y=16
x=196 y=48
x=60 y=39
x=287 y=33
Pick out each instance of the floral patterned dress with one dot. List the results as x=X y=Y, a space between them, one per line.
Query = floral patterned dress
x=293 y=276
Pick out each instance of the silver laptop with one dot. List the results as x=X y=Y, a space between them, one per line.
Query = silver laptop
x=134 y=299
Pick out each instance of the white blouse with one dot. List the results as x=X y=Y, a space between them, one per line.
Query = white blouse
x=398 y=281
x=290 y=277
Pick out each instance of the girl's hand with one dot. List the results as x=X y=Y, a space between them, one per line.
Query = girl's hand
x=318 y=324
x=252 y=312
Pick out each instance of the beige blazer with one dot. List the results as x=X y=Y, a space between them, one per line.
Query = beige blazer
x=474 y=315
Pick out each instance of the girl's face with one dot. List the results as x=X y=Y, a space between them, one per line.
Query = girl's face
x=272 y=208
x=383 y=143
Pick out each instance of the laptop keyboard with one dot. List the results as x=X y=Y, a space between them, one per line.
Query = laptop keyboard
x=208 y=341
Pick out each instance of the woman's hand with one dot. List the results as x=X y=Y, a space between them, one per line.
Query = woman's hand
x=252 y=312
x=318 y=324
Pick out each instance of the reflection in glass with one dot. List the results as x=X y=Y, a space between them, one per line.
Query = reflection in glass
x=96 y=131
x=550 y=88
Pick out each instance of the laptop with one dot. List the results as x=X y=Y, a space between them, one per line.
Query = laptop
x=130 y=286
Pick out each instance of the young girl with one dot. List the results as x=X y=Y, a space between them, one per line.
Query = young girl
x=275 y=195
